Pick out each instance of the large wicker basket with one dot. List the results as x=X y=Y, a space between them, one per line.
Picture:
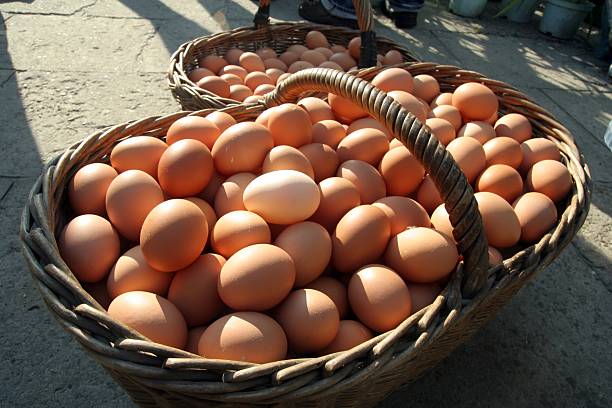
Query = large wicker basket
x=156 y=375
x=278 y=36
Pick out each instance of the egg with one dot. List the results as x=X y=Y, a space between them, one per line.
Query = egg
x=222 y=120
x=297 y=48
x=354 y=47
x=193 y=339
x=495 y=257
x=240 y=92
x=256 y=278
x=173 y=235
x=328 y=132
x=316 y=39
x=276 y=64
x=360 y=238
x=282 y=196
x=403 y=213
x=492 y=119
x=232 y=56
x=442 y=129
x=344 y=60
x=87 y=188
x=379 y=297
x=138 y=153
x=194 y=290
x=289 y=57
x=131 y=272
x=199 y=73
x=514 y=125
x=325 y=51
x=345 y=108
x=410 y=103
x=449 y=113
x=212 y=62
x=229 y=195
x=244 y=336
x=351 y=333
x=365 y=123
x=290 y=125
x=238 y=229
x=502 y=180
x=317 y=109
x=231 y=79
x=368 y=145
x=151 y=315
x=426 y=87
x=310 y=247
x=207 y=210
x=422 y=294
x=338 y=196
x=441 y=221
x=503 y=150
x=299 y=66
x=335 y=290
x=216 y=85
x=266 y=52
x=475 y=101
x=469 y=156
x=393 y=79
x=310 y=320
x=185 y=168
x=251 y=62
x=551 y=178
x=393 y=57
x=321 y=158
x=193 y=127
x=331 y=65
x=536 y=150
x=241 y=148
x=90 y=246
x=313 y=57
x=236 y=70
x=536 y=213
x=445 y=98
x=366 y=179
x=401 y=171
x=395 y=143
x=428 y=195
x=129 y=199
x=209 y=192
x=481 y=131
x=255 y=79
x=264 y=116
x=501 y=225
x=287 y=158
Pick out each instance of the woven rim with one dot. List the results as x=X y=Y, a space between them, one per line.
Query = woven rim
x=417 y=343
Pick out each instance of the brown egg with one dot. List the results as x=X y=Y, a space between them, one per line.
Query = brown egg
x=469 y=155
x=216 y=85
x=481 y=131
x=313 y=57
x=344 y=60
x=422 y=255
x=325 y=51
x=289 y=57
x=193 y=339
x=221 y=119
x=310 y=320
x=213 y=63
x=379 y=297
x=256 y=78
x=448 y=113
x=351 y=333
x=501 y=224
x=393 y=79
x=244 y=336
x=173 y=235
x=492 y=119
x=328 y=132
x=264 y=116
x=423 y=294
x=185 y=168
x=231 y=79
x=354 y=47
x=88 y=187
x=551 y=178
x=257 y=278
x=151 y=315
x=129 y=199
x=208 y=194
x=251 y=62
x=410 y=103
x=261 y=90
x=193 y=127
x=297 y=48
x=502 y=180
x=194 y=290
x=98 y=291
x=403 y=213
x=345 y=108
x=514 y=125
x=237 y=230
x=426 y=87
x=368 y=145
x=536 y=150
x=236 y=70
x=367 y=180
x=428 y=195
x=132 y=272
x=536 y=213
x=441 y=221
x=316 y=39
x=138 y=153
x=274 y=74
x=299 y=66
x=275 y=63
x=322 y=158
x=229 y=195
x=241 y=148
x=316 y=108
x=401 y=171
x=266 y=53
x=365 y=123
x=287 y=158
x=475 y=101
x=338 y=196
x=393 y=57
x=360 y=238
x=90 y=246
x=442 y=129
x=232 y=56
x=445 y=98
x=335 y=290
x=207 y=210
x=290 y=125
x=240 y=92
x=503 y=150
x=199 y=73
x=282 y=196
x=395 y=143
x=495 y=257
x=331 y=65
x=310 y=247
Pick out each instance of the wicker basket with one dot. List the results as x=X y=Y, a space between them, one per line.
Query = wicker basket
x=156 y=375
x=278 y=36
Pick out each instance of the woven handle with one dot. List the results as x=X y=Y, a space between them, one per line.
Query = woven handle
x=454 y=188
x=365 y=21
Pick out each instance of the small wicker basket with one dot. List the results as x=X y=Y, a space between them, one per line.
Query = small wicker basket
x=278 y=36
x=156 y=375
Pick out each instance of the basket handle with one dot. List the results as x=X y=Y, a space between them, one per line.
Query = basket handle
x=365 y=21
x=454 y=188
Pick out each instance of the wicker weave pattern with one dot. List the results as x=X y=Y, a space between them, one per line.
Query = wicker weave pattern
x=156 y=375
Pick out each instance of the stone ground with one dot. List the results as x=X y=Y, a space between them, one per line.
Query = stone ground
x=70 y=67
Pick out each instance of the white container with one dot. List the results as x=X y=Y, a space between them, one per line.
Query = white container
x=562 y=19
x=467 y=8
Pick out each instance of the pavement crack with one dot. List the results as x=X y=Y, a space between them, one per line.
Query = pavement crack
x=147 y=41
x=84 y=7
x=594 y=266
x=12 y=74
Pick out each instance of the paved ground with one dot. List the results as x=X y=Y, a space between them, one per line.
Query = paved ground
x=69 y=67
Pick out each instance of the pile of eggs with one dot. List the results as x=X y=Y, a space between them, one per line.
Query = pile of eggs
x=247 y=76
x=305 y=232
